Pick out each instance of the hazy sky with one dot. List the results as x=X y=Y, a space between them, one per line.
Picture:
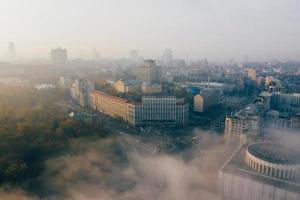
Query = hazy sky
x=223 y=29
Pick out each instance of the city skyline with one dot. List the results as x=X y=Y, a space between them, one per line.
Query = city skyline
x=260 y=30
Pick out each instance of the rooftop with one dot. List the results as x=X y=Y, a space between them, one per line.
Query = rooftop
x=274 y=153
x=236 y=165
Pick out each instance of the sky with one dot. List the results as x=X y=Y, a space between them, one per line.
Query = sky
x=213 y=29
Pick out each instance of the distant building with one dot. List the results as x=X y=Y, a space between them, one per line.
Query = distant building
x=127 y=86
x=206 y=99
x=168 y=57
x=268 y=80
x=251 y=73
x=150 y=72
x=80 y=91
x=151 y=88
x=65 y=82
x=95 y=54
x=261 y=171
x=11 y=52
x=59 y=55
x=133 y=55
x=286 y=102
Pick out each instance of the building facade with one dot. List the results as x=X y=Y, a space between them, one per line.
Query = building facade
x=206 y=99
x=240 y=128
x=127 y=86
x=150 y=72
x=113 y=106
x=80 y=91
x=167 y=110
x=151 y=88
x=260 y=172
x=59 y=55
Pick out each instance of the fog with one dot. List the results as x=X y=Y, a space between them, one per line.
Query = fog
x=259 y=29
x=126 y=167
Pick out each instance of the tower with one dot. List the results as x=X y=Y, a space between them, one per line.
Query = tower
x=11 y=51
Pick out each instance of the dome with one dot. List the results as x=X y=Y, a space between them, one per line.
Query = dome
x=274 y=153
x=274 y=160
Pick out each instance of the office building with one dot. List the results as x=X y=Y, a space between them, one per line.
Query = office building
x=149 y=72
x=151 y=88
x=110 y=105
x=285 y=101
x=165 y=110
x=206 y=99
x=80 y=91
x=168 y=57
x=127 y=86
x=261 y=171
x=59 y=55
x=133 y=55
x=251 y=73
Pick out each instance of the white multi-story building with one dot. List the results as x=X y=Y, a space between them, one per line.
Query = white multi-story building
x=159 y=108
x=241 y=127
x=261 y=171
x=167 y=110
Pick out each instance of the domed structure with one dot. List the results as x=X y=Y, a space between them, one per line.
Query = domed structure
x=274 y=160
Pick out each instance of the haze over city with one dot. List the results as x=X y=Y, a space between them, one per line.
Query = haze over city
x=149 y=100
x=217 y=30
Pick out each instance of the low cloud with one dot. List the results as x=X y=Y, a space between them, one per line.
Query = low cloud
x=130 y=167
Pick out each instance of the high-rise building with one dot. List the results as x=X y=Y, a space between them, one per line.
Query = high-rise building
x=11 y=52
x=241 y=127
x=261 y=171
x=133 y=55
x=251 y=73
x=168 y=57
x=59 y=55
x=95 y=55
x=150 y=72
x=206 y=99
x=80 y=91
